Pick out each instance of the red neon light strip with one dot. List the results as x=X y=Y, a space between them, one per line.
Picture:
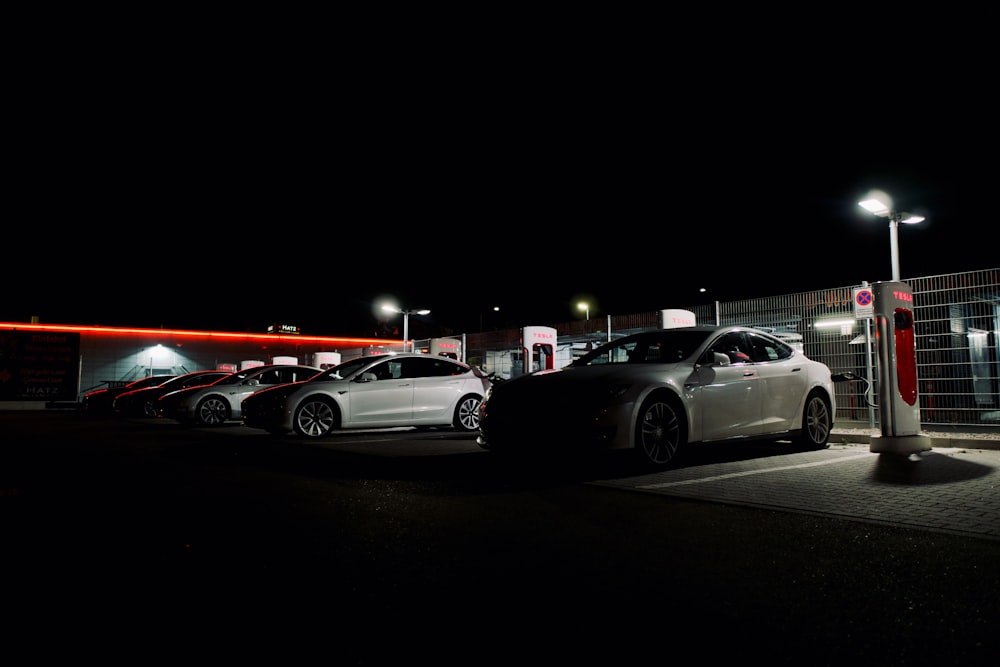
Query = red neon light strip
x=20 y=326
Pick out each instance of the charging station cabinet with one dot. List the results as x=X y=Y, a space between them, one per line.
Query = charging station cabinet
x=899 y=402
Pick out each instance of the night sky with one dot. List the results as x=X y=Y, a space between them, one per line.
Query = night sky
x=234 y=202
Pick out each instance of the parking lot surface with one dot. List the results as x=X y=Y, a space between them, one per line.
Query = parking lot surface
x=948 y=489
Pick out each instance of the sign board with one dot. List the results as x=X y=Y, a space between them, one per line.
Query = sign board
x=864 y=303
x=39 y=366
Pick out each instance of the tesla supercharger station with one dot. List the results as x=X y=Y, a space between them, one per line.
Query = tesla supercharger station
x=899 y=404
x=675 y=318
x=540 y=341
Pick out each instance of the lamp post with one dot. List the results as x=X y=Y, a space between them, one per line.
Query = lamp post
x=878 y=206
x=406 y=321
x=583 y=305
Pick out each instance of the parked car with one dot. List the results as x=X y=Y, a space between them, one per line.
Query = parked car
x=390 y=390
x=656 y=392
x=219 y=402
x=142 y=402
x=101 y=401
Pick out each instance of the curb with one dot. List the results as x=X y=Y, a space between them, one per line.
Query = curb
x=937 y=441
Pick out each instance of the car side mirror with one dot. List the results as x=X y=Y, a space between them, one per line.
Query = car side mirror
x=368 y=377
x=720 y=359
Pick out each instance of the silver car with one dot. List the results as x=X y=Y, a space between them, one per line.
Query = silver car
x=409 y=389
x=219 y=402
x=657 y=391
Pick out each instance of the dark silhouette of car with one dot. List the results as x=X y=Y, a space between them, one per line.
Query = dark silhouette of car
x=101 y=401
x=142 y=402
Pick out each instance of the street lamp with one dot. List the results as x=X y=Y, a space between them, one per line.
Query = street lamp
x=406 y=321
x=583 y=305
x=496 y=309
x=877 y=205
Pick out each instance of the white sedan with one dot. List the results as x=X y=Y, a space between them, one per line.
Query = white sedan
x=409 y=389
x=215 y=404
x=658 y=391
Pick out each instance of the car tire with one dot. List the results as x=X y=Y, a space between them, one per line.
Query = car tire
x=212 y=411
x=149 y=409
x=467 y=414
x=315 y=418
x=660 y=431
x=817 y=423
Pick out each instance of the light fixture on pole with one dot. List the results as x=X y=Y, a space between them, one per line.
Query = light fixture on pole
x=496 y=309
x=406 y=321
x=583 y=305
x=881 y=206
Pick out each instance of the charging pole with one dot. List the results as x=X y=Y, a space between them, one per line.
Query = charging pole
x=899 y=404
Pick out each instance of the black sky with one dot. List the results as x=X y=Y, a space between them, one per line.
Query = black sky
x=233 y=196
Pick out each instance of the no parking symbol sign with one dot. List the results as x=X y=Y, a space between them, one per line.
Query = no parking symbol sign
x=864 y=303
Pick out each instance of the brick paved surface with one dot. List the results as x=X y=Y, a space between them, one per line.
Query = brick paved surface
x=948 y=489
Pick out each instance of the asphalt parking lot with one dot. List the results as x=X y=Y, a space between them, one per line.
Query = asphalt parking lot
x=954 y=488
x=378 y=547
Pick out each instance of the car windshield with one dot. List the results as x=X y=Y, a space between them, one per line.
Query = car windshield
x=341 y=371
x=240 y=376
x=664 y=347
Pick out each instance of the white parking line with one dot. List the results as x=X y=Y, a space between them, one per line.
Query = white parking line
x=684 y=482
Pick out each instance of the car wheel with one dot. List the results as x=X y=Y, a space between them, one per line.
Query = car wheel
x=467 y=414
x=315 y=418
x=212 y=411
x=660 y=431
x=817 y=422
x=149 y=409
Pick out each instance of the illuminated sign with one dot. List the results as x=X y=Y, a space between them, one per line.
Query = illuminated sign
x=283 y=329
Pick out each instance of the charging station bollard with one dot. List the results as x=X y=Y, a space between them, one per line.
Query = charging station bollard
x=899 y=403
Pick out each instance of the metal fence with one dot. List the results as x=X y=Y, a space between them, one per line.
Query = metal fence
x=957 y=326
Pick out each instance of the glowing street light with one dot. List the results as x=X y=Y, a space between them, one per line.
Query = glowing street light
x=496 y=309
x=406 y=321
x=881 y=205
x=583 y=305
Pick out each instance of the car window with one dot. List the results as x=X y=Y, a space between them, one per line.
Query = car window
x=735 y=346
x=423 y=367
x=201 y=379
x=664 y=347
x=342 y=370
x=385 y=370
x=292 y=374
x=765 y=349
x=268 y=377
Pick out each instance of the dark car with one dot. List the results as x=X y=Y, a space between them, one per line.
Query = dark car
x=142 y=402
x=101 y=401
x=219 y=402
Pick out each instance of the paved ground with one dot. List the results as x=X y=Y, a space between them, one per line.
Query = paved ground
x=953 y=488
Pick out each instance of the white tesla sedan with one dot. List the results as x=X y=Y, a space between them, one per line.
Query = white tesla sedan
x=215 y=404
x=657 y=391
x=390 y=390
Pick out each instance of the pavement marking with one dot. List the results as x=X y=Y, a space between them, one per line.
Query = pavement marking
x=714 y=478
